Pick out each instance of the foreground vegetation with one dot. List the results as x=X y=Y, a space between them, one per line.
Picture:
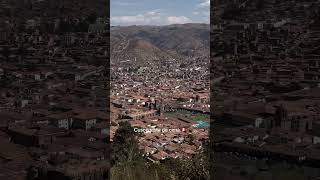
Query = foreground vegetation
x=128 y=162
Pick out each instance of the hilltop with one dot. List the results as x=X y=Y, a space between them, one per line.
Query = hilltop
x=154 y=43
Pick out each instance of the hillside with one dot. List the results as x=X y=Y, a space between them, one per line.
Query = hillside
x=154 y=43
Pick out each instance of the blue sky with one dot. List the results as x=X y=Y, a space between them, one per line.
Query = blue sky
x=159 y=12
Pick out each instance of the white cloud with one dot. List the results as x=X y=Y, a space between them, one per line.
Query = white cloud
x=128 y=19
x=154 y=17
x=195 y=13
x=202 y=10
x=178 y=20
x=205 y=3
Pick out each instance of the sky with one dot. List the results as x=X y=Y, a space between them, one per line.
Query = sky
x=159 y=12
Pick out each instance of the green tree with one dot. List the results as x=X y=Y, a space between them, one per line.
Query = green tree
x=140 y=170
x=189 y=139
x=129 y=164
x=194 y=168
x=125 y=145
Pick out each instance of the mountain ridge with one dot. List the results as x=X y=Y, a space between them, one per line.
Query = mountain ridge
x=154 y=43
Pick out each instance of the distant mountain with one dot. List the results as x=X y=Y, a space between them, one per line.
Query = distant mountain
x=153 y=43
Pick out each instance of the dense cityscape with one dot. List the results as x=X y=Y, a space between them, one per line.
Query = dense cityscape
x=80 y=99
x=163 y=95
x=53 y=71
x=266 y=89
